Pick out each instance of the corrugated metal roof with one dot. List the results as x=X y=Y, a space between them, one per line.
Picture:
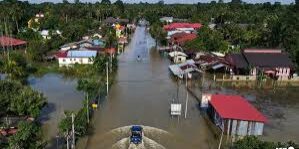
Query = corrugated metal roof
x=236 y=107
x=76 y=53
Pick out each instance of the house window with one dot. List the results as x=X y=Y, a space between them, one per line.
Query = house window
x=63 y=60
x=74 y=59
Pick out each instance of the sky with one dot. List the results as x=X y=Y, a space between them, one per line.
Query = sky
x=170 y=1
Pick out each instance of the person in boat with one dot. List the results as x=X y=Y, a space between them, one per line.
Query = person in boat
x=138 y=58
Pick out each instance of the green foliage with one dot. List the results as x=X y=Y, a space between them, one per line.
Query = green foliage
x=37 y=50
x=88 y=86
x=20 y=100
x=28 y=136
x=208 y=40
x=252 y=142
x=65 y=124
x=158 y=33
x=14 y=65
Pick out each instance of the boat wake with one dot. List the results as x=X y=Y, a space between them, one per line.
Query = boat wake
x=152 y=138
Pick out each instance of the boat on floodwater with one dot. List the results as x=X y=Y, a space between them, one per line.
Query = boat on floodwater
x=136 y=135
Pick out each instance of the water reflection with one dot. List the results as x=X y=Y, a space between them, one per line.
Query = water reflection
x=61 y=95
x=142 y=94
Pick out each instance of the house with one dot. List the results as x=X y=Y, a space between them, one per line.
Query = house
x=34 y=22
x=234 y=115
x=68 y=58
x=180 y=70
x=182 y=26
x=271 y=62
x=9 y=42
x=181 y=38
x=166 y=19
x=47 y=34
x=92 y=44
x=177 y=56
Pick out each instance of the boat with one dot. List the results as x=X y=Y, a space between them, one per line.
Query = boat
x=136 y=134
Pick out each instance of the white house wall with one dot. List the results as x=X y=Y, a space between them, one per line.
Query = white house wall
x=259 y=127
x=70 y=61
x=243 y=128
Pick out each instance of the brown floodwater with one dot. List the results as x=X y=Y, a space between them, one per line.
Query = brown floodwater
x=61 y=96
x=143 y=92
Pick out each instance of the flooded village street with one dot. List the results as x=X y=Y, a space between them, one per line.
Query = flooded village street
x=141 y=95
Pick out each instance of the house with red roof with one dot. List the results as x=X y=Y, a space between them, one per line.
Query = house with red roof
x=234 y=115
x=181 y=38
x=178 y=26
x=9 y=42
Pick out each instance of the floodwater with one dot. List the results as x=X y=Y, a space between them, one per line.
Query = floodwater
x=62 y=96
x=142 y=94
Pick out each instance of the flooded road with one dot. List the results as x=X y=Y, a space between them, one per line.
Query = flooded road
x=141 y=95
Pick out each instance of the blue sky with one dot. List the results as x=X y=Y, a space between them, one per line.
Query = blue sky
x=170 y=1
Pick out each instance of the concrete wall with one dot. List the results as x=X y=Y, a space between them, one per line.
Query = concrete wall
x=243 y=77
x=70 y=61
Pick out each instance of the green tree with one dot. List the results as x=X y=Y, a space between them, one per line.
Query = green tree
x=20 y=100
x=120 y=5
x=28 y=136
x=15 y=66
x=28 y=102
x=252 y=142
x=37 y=50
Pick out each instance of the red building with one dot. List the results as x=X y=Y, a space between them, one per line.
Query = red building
x=181 y=38
x=9 y=42
x=174 y=26
x=234 y=115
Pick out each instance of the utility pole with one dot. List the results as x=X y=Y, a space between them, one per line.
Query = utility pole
x=87 y=107
x=67 y=141
x=186 y=104
x=219 y=146
x=107 y=74
x=73 y=131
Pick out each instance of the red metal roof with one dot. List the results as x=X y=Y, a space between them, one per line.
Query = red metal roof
x=236 y=107
x=61 y=54
x=9 y=41
x=186 y=38
x=173 y=26
x=183 y=37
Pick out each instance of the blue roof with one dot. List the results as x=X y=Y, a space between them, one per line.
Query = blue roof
x=98 y=42
x=76 y=53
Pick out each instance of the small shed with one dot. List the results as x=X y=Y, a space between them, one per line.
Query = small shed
x=177 y=56
x=234 y=115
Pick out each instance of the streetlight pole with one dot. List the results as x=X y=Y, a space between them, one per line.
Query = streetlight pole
x=107 y=75
x=57 y=137
x=186 y=104
x=73 y=131
x=87 y=107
